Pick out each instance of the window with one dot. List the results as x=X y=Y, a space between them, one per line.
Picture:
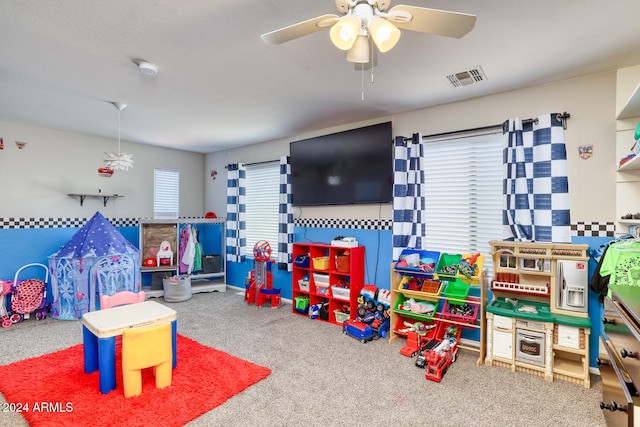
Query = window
x=463 y=193
x=262 y=205
x=166 y=193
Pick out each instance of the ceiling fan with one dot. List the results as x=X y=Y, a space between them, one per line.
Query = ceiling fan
x=366 y=22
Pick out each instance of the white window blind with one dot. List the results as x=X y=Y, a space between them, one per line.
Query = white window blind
x=262 y=205
x=463 y=194
x=166 y=193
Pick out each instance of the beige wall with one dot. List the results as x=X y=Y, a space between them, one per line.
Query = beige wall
x=590 y=101
x=36 y=180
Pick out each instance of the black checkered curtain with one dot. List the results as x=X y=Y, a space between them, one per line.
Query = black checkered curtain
x=408 y=198
x=285 y=221
x=236 y=212
x=536 y=183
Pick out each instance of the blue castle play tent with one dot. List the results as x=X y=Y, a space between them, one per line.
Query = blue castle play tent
x=97 y=260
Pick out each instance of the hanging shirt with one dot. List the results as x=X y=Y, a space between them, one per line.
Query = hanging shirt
x=622 y=263
x=197 y=259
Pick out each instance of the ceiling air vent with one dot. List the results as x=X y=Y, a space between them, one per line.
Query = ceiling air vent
x=467 y=77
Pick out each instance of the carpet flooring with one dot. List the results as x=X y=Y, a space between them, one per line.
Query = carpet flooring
x=321 y=377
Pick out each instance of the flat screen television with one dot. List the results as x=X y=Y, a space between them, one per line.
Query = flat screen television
x=350 y=167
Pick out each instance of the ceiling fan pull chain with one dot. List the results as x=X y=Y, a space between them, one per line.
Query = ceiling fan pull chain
x=362 y=83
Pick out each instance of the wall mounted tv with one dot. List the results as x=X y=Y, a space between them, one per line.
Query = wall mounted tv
x=350 y=167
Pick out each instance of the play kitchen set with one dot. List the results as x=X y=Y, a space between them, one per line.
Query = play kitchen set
x=537 y=321
x=434 y=296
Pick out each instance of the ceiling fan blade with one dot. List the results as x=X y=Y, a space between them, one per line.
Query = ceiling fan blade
x=434 y=21
x=300 y=29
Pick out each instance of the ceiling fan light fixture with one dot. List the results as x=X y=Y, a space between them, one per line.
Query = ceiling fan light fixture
x=384 y=34
x=345 y=32
x=359 y=52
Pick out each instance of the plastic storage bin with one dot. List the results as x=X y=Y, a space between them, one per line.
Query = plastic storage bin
x=417 y=260
x=301 y=304
x=403 y=308
x=448 y=264
x=301 y=261
x=456 y=289
x=460 y=312
x=321 y=263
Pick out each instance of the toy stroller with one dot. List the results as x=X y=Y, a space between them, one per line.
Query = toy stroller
x=5 y=289
x=27 y=296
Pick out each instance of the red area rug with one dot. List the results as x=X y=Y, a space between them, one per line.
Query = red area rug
x=53 y=390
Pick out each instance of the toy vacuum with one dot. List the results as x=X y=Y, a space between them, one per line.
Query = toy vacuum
x=260 y=288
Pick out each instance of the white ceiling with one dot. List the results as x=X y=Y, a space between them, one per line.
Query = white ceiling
x=62 y=62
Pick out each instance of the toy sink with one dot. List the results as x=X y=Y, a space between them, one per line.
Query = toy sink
x=522 y=309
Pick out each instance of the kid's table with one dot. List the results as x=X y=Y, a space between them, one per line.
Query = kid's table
x=100 y=328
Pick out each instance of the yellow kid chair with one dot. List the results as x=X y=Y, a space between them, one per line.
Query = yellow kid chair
x=142 y=348
x=121 y=298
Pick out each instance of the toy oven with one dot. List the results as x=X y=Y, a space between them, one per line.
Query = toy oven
x=535 y=264
x=530 y=347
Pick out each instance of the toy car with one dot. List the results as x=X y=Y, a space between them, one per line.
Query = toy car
x=358 y=330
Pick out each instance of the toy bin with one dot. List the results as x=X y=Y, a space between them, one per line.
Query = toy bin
x=417 y=260
x=341 y=316
x=303 y=285
x=461 y=312
x=177 y=288
x=321 y=282
x=342 y=263
x=340 y=292
x=456 y=289
x=448 y=264
x=301 y=304
x=403 y=308
x=321 y=263
x=471 y=266
x=301 y=261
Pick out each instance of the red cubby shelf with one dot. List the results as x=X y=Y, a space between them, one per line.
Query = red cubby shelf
x=355 y=277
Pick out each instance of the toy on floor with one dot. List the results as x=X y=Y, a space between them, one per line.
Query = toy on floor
x=5 y=289
x=260 y=287
x=372 y=320
x=417 y=334
x=27 y=296
x=443 y=354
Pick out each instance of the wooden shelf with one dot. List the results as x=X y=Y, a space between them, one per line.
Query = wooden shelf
x=478 y=298
x=105 y=197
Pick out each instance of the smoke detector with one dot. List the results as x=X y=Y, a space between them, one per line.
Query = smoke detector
x=467 y=77
x=147 y=68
